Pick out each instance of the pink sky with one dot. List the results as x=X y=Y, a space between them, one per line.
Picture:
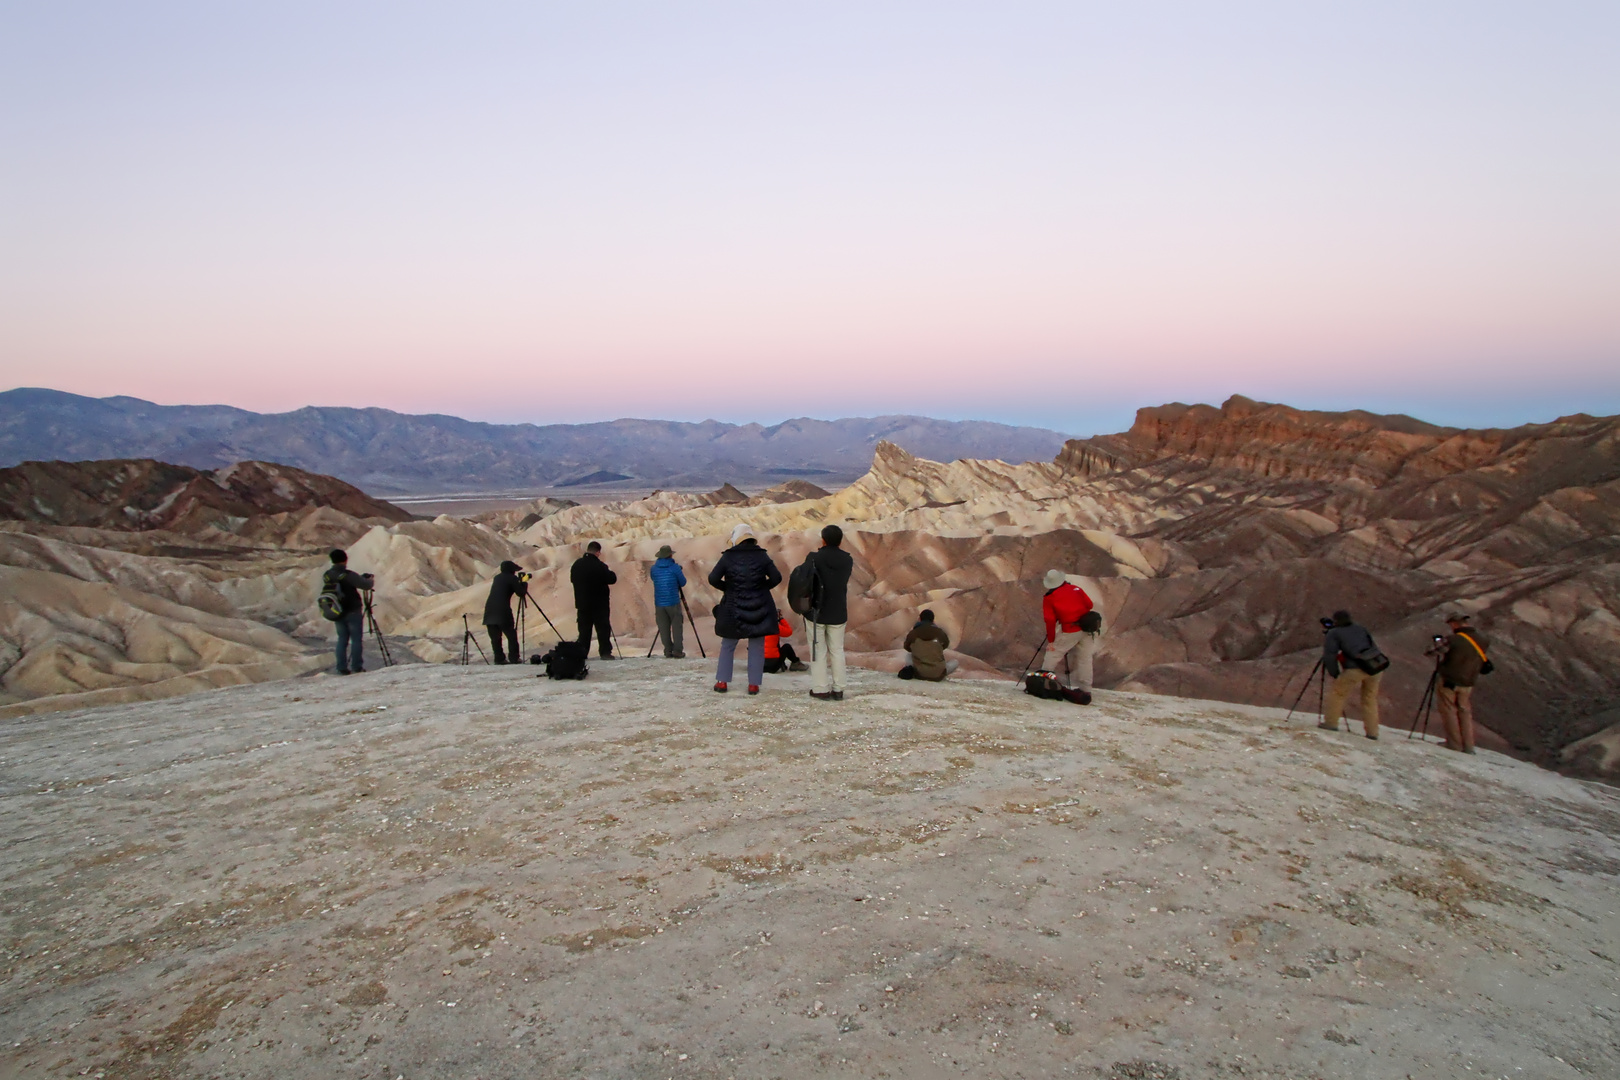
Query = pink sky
x=1044 y=213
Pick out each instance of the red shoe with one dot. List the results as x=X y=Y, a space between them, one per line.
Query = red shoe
x=719 y=687
x=752 y=689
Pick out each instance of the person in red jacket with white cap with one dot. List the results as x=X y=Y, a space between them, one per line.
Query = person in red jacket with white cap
x=1073 y=626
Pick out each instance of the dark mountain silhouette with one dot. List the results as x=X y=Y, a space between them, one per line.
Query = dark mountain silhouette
x=395 y=453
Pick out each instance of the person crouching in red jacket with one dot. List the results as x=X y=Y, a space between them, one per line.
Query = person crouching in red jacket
x=779 y=656
x=1070 y=634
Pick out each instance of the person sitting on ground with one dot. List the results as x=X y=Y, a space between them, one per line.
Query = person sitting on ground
x=745 y=575
x=926 y=645
x=1068 y=639
x=779 y=655
x=1341 y=645
x=668 y=579
x=498 y=619
x=351 y=628
x=1460 y=669
x=593 y=582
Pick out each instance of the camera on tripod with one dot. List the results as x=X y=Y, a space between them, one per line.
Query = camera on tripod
x=1327 y=623
x=525 y=577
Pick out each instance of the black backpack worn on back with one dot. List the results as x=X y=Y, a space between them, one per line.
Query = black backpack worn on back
x=566 y=660
x=804 y=587
x=1045 y=684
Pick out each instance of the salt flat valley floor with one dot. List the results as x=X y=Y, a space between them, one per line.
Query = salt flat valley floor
x=437 y=871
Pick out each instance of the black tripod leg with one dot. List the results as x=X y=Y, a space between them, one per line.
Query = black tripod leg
x=1300 y=696
x=693 y=622
x=1032 y=657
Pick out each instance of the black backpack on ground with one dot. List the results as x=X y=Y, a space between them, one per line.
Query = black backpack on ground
x=804 y=587
x=1044 y=684
x=566 y=660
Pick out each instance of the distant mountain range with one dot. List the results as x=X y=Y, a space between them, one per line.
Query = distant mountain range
x=392 y=453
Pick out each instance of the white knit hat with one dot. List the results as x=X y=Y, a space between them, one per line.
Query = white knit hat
x=742 y=532
x=1053 y=579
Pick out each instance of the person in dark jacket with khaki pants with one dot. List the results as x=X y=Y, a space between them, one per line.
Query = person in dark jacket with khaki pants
x=1348 y=640
x=1459 y=671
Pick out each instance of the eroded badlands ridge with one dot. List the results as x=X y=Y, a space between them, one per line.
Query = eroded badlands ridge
x=438 y=872
x=1213 y=537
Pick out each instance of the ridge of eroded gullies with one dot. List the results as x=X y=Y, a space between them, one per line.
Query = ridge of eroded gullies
x=1213 y=538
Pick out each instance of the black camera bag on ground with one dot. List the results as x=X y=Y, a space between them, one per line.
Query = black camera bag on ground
x=1044 y=684
x=566 y=660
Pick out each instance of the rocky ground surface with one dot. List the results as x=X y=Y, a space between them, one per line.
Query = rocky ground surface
x=437 y=871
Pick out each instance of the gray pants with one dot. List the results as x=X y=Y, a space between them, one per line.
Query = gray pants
x=1080 y=649
x=669 y=629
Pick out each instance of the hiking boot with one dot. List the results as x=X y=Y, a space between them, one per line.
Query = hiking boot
x=1373 y=736
x=823 y=695
x=798 y=665
x=1329 y=727
x=719 y=687
x=752 y=689
x=838 y=695
x=1470 y=750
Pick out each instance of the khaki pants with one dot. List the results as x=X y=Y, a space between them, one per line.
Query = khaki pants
x=1339 y=691
x=826 y=650
x=1081 y=649
x=1457 y=714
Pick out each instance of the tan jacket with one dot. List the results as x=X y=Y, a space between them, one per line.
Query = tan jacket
x=927 y=644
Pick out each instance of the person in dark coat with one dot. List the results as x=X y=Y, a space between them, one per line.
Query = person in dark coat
x=498 y=618
x=745 y=575
x=351 y=629
x=1348 y=640
x=592 y=580
x=833 y=567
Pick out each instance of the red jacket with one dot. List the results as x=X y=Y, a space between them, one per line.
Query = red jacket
x=1064 y=604
x=773 y=642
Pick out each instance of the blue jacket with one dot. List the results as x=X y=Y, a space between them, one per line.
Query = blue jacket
x=667 y=578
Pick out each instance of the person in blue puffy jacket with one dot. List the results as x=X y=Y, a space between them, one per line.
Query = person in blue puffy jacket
x=668 y=579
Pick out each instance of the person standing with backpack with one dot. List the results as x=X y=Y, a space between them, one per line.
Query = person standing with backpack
x=592 y=599
x=351 y=625
x=1352 y=661
x=826 y=573
x=745 y=575
x=668 y=579
x=1073 y=625
x=1464 y=662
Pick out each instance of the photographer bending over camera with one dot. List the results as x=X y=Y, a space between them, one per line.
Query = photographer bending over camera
x=498 y=620
x=1363 y=666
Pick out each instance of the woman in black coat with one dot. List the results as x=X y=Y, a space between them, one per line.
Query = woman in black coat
x=746 y=575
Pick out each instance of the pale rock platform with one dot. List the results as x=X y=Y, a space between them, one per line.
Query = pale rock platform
x=438 y=872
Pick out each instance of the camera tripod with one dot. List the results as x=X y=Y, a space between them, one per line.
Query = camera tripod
x=692 y=622
x=467 y=636
x=376 y=632
x=1426 y=704
x=523 y=607
x=1321 y=689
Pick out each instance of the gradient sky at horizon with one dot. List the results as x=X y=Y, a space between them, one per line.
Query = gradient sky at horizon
x=1045 y=213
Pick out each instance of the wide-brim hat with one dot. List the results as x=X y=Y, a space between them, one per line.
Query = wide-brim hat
x=666 y=552
x=1053 y=579
x=742 y=532
x=1455 y=616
